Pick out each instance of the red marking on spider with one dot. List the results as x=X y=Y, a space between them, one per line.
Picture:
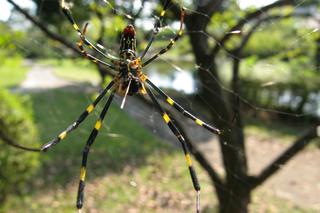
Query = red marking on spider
x=129 y=31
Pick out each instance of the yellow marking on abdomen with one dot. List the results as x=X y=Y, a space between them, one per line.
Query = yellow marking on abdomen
x=166 y=117
x=188 y=159
x=62 y=135
x=82 y=173
x=90 y=108
x=199 y=122
x=98 y=125
x=170 y=101
x=162 y=13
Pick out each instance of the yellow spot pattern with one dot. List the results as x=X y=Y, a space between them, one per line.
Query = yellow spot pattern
x=162 y=13
x=98 y=125
x=170 y=101
x=75 y=26
x=199 y=122
x=62 y=135
x=188 y=159
x=82 y=173
x=166 y=117
x=143 y=77
x=90 y=108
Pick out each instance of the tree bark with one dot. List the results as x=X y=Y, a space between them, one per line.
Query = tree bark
x=236 y=197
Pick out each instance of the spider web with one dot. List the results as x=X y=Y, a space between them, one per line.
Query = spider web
x=171 y=74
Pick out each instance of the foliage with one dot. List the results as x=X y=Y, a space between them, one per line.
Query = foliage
x=8 y=40
x=17 y=166
x=12 y=71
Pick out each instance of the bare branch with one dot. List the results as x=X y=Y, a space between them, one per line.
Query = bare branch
x=208 y=7
x=287 y=155
x=11 y=142
x=45 y=29
x=245 y=20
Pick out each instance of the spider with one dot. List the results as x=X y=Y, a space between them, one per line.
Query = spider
x=129 y=80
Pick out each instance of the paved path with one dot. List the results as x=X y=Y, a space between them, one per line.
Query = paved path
x=298 y=181
x=42 y=77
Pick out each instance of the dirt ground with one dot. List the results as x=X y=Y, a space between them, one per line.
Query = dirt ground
x=298 y=181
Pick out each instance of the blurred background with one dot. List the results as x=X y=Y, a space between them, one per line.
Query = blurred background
x=249 y=68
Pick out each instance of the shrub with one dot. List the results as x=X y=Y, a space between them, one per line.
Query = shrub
x=17 y=166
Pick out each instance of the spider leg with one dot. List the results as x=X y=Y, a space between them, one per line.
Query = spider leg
x=178 y=107
x=156 y=27
x=80 y=119
x=178 y=134
x=66 y=11
x=86 y=151
x=172 y=41
x=92 y=58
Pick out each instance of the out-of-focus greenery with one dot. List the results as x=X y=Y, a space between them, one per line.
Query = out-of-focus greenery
x=17 y=166
x=80 y=70
x=285 y=38
x=12 y=72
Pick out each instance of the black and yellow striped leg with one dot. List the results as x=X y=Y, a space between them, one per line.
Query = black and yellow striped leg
x=94 y=59
x=156 y=27
x=66 y=11
x=86 y=151
x=172 y=41
x=80 y=119
x=178 y=134
x=178 y=107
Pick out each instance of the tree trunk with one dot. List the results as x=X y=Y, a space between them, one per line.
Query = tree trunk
x=236 y=194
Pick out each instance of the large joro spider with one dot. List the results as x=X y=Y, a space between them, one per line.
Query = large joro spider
x=129 y=80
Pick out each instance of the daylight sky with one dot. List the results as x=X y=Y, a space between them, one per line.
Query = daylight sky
x=6 y=7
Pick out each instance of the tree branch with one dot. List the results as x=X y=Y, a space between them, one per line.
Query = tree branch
x=10 y=142
x=287 y=155
x=44 y=29
x=174 y=8
x=208 y=7
x=246 y=19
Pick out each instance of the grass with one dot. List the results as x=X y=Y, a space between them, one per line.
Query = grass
x=79 y=70
x=263 y=201
x=128 y=168
x=12 y=72
x=279 y=131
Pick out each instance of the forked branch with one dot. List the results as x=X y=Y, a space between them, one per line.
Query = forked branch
x=287 y=155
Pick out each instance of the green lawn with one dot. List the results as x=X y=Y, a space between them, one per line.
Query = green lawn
x=80 y=70
x=12 y=72
x=128 y=168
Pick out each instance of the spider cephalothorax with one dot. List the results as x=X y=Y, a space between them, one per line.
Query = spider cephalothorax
x=129 y=80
